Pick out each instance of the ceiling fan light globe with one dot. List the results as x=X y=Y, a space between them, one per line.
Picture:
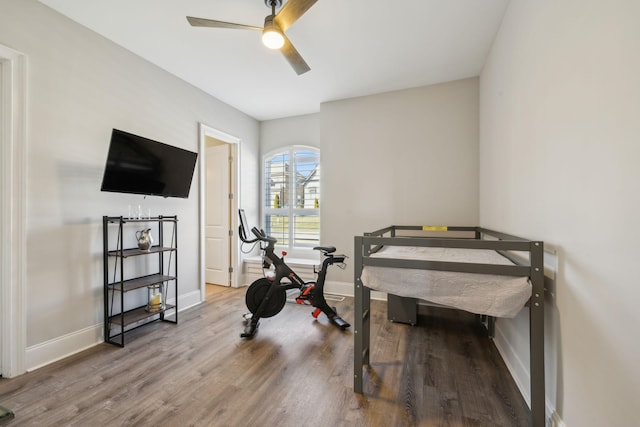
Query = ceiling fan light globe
x=272 y=39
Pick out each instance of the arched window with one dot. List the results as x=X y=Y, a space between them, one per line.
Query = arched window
x=291 y=195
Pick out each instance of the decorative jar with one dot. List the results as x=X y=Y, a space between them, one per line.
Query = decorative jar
x=155 y=300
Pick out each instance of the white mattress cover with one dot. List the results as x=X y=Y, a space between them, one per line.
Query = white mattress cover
x=493 y=295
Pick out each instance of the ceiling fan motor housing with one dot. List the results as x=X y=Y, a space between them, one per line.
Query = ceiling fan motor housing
x=277 y=4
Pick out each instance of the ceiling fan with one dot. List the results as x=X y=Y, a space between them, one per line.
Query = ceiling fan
x=274 y=27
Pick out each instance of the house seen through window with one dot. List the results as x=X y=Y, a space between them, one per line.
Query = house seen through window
x=292 y=197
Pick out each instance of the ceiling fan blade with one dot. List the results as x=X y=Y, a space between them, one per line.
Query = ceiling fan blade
x=291 y=11
x=293 y=57
x=202 y=22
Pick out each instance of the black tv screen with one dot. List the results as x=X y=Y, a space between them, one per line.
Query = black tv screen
x=142 y=166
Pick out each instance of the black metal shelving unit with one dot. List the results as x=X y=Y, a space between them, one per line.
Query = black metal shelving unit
x=117 y=319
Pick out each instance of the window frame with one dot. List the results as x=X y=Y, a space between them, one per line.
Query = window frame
x=292 y=210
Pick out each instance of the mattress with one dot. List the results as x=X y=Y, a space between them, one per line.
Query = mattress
x=493 y=295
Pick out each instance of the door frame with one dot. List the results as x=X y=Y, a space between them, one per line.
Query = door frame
x=13 y=252
x=235 y=145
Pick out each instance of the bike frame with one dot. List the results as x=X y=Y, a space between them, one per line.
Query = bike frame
x=283 y=271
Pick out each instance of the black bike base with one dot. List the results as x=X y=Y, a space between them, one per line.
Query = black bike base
x=251 y=329
x=330 y=312
x=252 y=324
x=340 y=323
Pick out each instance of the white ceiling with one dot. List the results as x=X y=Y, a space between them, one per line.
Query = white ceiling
x=354 y=47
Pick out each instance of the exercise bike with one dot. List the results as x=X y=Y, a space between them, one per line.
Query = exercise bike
x=267 y=296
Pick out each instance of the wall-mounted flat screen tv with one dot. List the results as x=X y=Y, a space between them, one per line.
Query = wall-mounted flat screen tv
x=142 y=166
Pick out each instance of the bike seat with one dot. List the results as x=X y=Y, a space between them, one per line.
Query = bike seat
x=326 y=249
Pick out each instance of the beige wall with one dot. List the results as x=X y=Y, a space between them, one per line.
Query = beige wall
x=406 y=157
x=80 y=86
x=297 y=130
x=559 y=150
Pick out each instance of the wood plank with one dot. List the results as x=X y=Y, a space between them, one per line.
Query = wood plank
x=296 y=371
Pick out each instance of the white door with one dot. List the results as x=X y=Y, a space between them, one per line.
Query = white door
x=217 y=214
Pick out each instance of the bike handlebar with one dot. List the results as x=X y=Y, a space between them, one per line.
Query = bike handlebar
x=263 y=237
x=260 y=235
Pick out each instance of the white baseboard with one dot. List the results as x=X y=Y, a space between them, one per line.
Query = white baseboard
x=519 y=371
x=53 y=350
x=56 y=349
x=189 y=300
x=520 y=374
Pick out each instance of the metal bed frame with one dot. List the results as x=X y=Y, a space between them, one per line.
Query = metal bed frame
x=505 y=244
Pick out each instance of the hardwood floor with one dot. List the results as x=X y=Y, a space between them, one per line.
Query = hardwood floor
x=295 y=372
x=212 y=289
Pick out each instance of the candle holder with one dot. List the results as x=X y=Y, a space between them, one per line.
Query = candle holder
x=155 y=300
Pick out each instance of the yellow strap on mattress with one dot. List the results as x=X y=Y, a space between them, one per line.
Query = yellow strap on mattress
x=434 y=228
